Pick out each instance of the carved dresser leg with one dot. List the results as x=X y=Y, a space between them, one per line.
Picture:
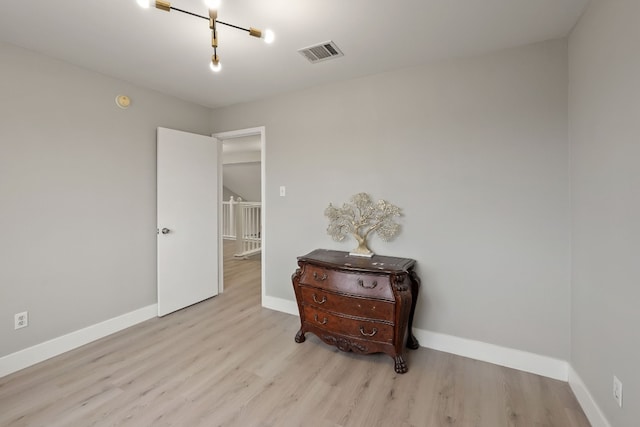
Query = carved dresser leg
x=401 y=365
x=412 y=342
x=300 y=337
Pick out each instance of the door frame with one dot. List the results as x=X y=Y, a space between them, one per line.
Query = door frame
x=220 y=138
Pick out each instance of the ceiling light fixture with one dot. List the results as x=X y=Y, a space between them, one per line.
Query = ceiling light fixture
x=213 y=6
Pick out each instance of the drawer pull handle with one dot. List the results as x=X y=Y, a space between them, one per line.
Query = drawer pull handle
x=318 y=277
x=373 y=284
x=373 y=332
x=325 y=320
x=322 y=301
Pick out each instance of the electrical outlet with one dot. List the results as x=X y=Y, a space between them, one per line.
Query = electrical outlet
x=21 y=320
x=617 y=390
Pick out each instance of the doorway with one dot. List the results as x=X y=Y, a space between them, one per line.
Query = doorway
x=241 y=142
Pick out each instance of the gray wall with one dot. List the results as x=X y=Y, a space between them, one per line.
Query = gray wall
x=604 y=105
x=241 y=170
x=243 y=179
x=227 y=194
x=77 y=195
x=474 y=150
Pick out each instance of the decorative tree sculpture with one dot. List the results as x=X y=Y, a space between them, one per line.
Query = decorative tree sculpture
x=361 y=217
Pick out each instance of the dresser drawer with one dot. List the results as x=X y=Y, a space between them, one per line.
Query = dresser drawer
x=353 y=283
x=359 y=328
x=353 y=306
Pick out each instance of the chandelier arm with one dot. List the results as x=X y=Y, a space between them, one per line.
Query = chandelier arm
x=204 y=17
x=189 y=13
x=233 y=26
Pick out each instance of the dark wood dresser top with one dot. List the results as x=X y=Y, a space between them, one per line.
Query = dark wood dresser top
x=344 y=261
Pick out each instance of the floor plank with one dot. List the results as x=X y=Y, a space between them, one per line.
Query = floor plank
x=229 y=362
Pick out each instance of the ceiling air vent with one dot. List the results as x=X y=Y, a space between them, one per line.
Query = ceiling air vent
x=321 y=52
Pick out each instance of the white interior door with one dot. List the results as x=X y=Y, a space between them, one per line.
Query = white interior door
x=187 y=219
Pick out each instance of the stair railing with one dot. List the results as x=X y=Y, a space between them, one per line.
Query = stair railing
x=242 y=223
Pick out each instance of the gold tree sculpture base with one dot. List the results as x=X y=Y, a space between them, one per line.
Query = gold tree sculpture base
x=362 y=249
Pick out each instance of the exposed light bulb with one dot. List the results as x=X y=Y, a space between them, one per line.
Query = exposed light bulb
x=144 y=3
x=215 y=67
x=213 y=4
x=269 y=37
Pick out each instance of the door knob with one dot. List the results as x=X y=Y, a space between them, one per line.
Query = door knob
x=165 y=231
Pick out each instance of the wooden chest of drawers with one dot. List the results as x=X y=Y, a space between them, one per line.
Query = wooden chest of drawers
x=358 y=304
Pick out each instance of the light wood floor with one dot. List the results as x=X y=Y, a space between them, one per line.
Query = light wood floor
x=229 y=362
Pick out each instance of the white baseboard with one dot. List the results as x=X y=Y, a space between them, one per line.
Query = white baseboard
x=503 y=356
x=30 y=356
x=588 y=404
x=280 y=304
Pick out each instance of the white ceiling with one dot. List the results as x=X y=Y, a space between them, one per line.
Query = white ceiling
x=170 y=52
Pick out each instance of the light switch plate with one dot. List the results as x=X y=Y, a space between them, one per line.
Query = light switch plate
x=617 y=390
